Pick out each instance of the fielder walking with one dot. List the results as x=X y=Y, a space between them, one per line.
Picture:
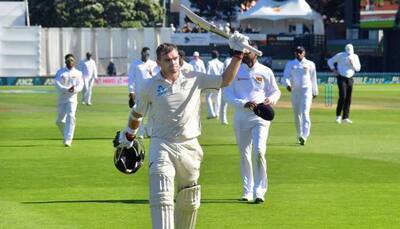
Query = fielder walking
x=139 y=71
x=300 y=79
x=68 y=82
x=89 y=73
x=348 y=64
x=213 y=96
x=175 y=154
x=254 y=84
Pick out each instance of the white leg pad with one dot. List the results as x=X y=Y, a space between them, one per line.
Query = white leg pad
x=162 y=201
x=187 y=204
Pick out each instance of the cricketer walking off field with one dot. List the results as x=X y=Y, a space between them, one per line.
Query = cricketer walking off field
x=175 y=154
x=254 y=84
x=68 y=82
x=300 y=78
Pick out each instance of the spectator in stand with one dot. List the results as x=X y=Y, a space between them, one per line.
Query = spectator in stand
x=111 y=69
x=173 y=28
x=227 y=28
x=249 y=29
x=186 y=28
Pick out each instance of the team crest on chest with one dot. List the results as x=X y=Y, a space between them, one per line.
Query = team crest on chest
x=259 y=79
x=161 y=90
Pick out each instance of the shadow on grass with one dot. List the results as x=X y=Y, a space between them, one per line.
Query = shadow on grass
x=218 y=144
x=203 y=201
x=75 y=139
x=89 y=201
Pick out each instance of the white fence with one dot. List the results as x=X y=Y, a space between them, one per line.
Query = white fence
x=36 y=51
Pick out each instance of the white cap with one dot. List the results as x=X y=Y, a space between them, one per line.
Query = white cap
x=349 y=49
x=196 y=53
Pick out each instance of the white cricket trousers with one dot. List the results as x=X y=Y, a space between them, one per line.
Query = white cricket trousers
x=87 y=89
x=301 y=105
x=168 y=162
x=66 y=119
x=213 y=99
x=251 y=136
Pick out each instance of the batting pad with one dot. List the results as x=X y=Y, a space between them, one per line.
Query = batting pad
x=187 y=204
x=162 y=201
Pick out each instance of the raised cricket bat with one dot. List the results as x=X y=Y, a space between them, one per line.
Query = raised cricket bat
x=211 y=28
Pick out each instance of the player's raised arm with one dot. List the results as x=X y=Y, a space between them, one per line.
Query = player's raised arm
x=236 y=42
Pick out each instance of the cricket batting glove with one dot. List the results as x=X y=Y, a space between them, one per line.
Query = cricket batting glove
x=237 y=41
x=126 y=137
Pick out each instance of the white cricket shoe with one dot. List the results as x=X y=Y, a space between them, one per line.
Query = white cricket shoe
x=347 y=121
x=338 y=119
x=302 y=141
x=67 y=143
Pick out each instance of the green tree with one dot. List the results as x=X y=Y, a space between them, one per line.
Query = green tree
x=93 y=13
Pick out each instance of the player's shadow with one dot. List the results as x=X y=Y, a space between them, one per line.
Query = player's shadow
x=223 y=201
x=90 y=201
x=22 y=146
x=78 y=138
x=223 y=144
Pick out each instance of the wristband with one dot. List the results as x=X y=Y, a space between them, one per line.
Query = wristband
x=238 y=54
x=130 y=130
x=134 y=118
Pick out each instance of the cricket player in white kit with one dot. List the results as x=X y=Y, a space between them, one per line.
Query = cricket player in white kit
x=197 y=63
x=175 y=154
x=89 y=74
x=68 y=82
x=213 y=96
x=348 y=64
x=138 y=73
x=254 y=84
x=300 y=78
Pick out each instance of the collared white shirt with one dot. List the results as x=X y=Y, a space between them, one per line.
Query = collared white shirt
x=198 y=65
x=138 y=72
x=215 y=67
x=64 y=80
x=175 y=107
x=88 y=68
x=300 y=74
x=252 y=84
x=344 y=67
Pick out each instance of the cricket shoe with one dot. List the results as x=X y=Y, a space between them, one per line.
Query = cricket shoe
x=347 y=121
x=302 y=141
x=338 y=119
x=67 y=143
x=259 y=200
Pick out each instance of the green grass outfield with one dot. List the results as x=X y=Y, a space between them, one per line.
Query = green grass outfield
x=347 y=176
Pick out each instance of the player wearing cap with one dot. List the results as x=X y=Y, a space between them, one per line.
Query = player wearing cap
x=254 y=84
x=68 y=82
x=175 y=154
x=213 y=97
x=348 y=64
x=300 y=78
x=197 y=63
x=89 y=74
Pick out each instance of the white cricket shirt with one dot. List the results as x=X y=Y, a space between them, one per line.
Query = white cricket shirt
x=64 y=80
x=175 y=108
x=300 y=74
x=252 y=84
x=344 y=67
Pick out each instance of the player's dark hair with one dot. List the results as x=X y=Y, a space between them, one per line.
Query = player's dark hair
x=165 y=48
x=68 y=56
x=214 y=54
x=144 y=49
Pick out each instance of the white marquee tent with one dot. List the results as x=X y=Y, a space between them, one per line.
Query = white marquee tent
x=287 y=16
